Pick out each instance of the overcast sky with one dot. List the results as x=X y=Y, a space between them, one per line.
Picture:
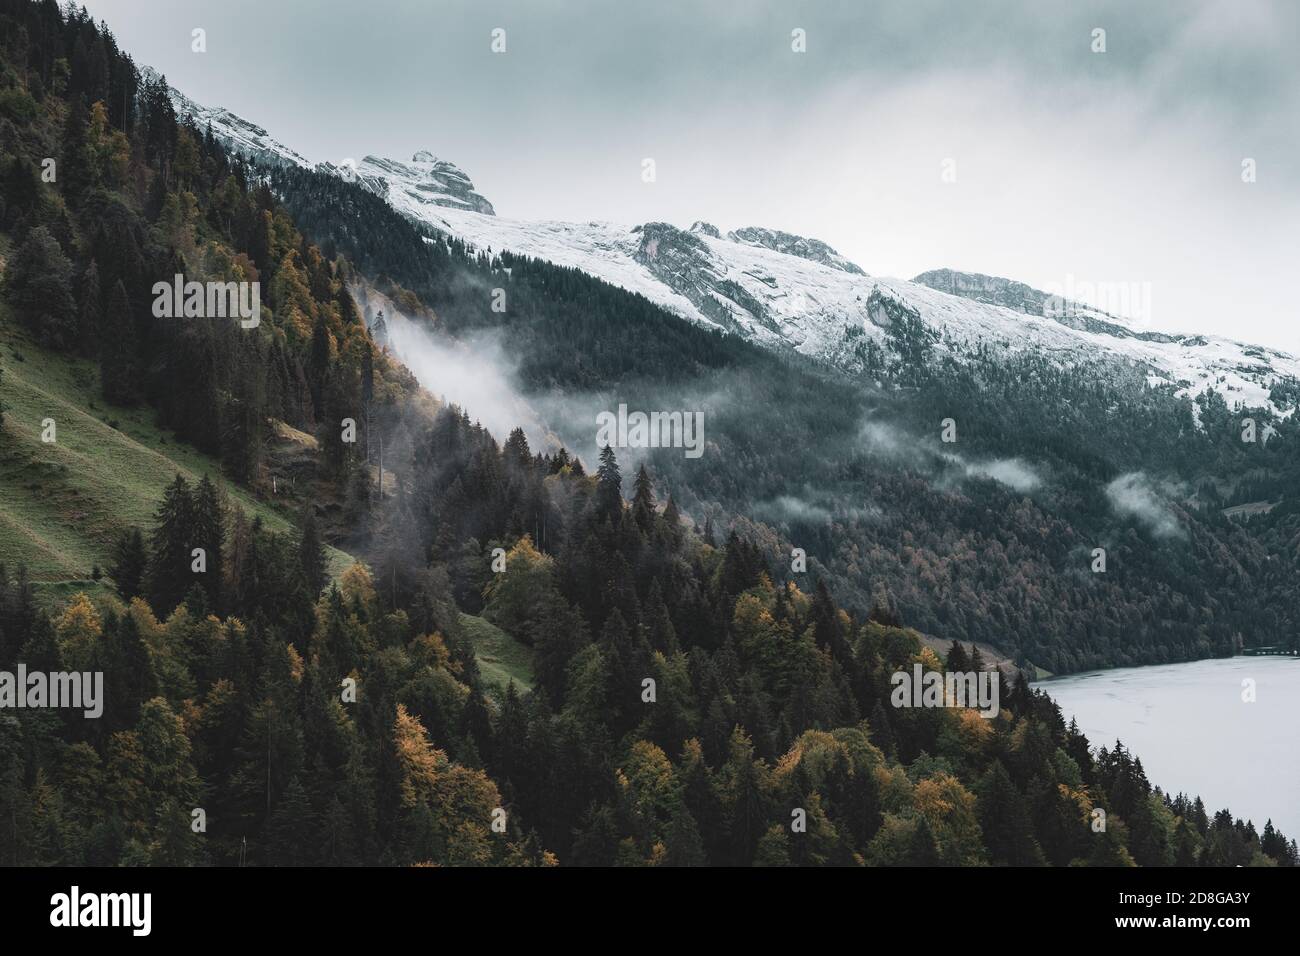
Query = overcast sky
x=1071 y=166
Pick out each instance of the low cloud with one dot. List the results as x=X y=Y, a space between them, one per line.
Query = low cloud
x=812 y=506
x=888 y=443
x=1135 y=495
x=475 y=374
x=789 y=508
x=1011 y=472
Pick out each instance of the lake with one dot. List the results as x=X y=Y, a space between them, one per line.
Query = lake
x=1194 y=732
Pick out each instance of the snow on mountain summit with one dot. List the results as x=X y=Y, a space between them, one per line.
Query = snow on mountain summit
x=234 y=132
x=784 y=291
x=424 y=181
x=812 y=249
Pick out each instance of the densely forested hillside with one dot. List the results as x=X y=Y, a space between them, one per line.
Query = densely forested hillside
x=105 y=194
x=685 y=710
x=990 y=538
x=678 y=702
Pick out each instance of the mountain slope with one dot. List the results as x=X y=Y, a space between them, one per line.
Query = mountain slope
x=786 y=291
x=823 y=390
x=64 y=503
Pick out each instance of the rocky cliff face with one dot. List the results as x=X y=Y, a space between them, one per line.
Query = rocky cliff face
x=683 y=262
x=814 y=250
x=1019 y=297
x=981 y=288
x=424 y=181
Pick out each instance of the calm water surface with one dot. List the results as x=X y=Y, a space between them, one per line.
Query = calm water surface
x=1194 y=733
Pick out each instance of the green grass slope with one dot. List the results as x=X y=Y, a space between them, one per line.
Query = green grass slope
x=500 y=657
x=63 y=504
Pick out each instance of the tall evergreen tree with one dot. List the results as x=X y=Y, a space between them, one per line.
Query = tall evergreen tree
x=117 y=352
x=170 y=556
x=311 y=553
x=130 y=562
x=207 y=531
x=1005 y=822
x=643 y=501
x=609 y=486
x=89 y=313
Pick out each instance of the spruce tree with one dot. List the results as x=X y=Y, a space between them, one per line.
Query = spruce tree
x=38 y=284
x=89 y=312
x=208 y=532
x=170 y=560
x=643 y=501
x=673 y=521
x=311 y=553
x=609 y=486
x=130 y=561
x=923 y=850
x=1005 y=822
x=117 y=352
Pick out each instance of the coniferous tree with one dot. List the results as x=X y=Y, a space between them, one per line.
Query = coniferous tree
x=609 y=486
x=38 y=284
x=311 y=553
x=130 y=562
x=1004 y=820
x=117 y=354
x=923 y=850
x=76 y=171
x=673 y=521
x=89 y=312
x=207 y=531
x=643 y=501
x=170 y=559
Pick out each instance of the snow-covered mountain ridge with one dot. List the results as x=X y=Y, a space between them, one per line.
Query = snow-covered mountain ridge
x=790 y=292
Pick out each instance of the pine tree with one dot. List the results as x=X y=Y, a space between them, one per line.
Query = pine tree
x=923 y=850
x=130 y=561
x=673 y=521
x=292 y=829
x=208 y=532
x=129 y=674
x=311 y=553
x=643 y=501
x=682 y=841
x=38 y=284
x=170 y=560
x=609 y=486
x=1004 y=820
x=117 y=353
x=89 y=314
x=379 y=331
x=76 y=170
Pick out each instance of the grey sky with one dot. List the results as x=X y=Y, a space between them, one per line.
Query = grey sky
x=1072 y=166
